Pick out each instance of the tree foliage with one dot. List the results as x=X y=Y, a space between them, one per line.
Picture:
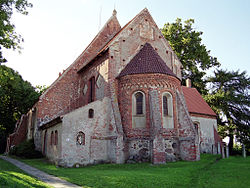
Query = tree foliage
x=230 y=99
x=40 y=89
x=9 y=39
x=195 y=58
x=16 y=98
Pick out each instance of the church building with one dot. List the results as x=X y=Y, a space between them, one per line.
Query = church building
x=121 y=101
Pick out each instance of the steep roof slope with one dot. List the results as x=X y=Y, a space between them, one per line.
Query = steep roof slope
x=195 y=103
x=108 y=31
x=145 y=61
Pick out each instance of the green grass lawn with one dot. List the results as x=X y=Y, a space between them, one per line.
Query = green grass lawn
x=11 y=176
x=209 y=172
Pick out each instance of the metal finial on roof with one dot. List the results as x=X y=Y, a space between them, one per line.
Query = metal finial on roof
x=114 y=12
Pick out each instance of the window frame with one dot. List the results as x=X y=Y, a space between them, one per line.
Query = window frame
x=79 y=135
x=138 y=119
x=134 y=104
x=170 y=106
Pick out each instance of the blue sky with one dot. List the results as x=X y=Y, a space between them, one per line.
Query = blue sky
x=56 y=32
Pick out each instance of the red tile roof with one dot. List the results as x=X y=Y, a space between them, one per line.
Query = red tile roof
x=195 y=103
x=145 y=61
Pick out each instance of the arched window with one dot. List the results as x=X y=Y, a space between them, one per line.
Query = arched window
x=56 y=138
x=197 y=131
x=91 y=113
x=138 y=110
x=91 y=89
x=167 y=110
x=139 y=103
x=196 y=126
x=165 y=106
x=51 y=138
x=80 y=138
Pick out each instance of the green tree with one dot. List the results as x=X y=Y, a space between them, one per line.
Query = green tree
x=16 y=98
x=9 y=39
x=195 y=58
x=230 y=99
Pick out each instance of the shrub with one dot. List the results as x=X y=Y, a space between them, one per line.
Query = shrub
x=26 y=150
x=12 y=150
x=237 y=150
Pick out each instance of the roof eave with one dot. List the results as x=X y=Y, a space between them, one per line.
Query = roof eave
x=88 y=64
x=204 y=114
x=51 y=123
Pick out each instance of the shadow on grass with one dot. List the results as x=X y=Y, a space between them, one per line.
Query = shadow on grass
x=16 y=179
x=208 y=172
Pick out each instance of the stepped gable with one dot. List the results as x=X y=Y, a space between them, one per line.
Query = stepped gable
x=146 y=61
x=195 y=103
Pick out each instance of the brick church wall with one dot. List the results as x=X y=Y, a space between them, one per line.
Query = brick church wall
x=139 y=140
x=189 y=146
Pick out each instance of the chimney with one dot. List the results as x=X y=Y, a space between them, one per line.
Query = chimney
x=188 y=82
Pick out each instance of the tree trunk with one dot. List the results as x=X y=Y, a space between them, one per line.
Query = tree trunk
x=231 y=143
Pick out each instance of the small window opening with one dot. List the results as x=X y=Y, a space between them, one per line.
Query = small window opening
x=91 y=113
x=91 y=89
x=196 y=126
x=139 y=103
x=165 y=106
